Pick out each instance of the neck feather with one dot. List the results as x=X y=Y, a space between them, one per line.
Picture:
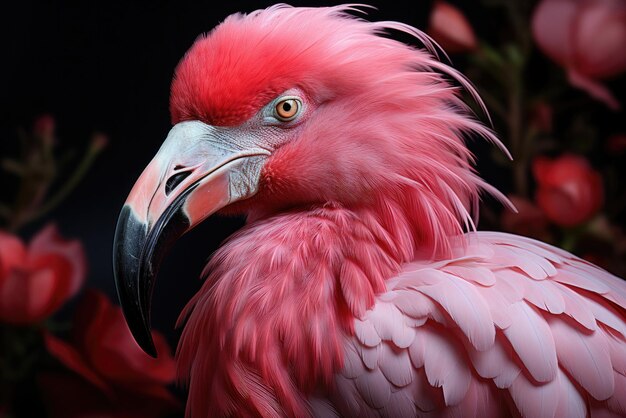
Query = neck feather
x=267 y=327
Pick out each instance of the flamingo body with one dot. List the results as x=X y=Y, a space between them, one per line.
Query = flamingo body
x=354 y=289
x=506 y=326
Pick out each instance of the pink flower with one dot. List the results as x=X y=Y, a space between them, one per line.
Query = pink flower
x=569 y=191
x=587 y=37
x=449 y=27
x=37 y=280
x=114 y=376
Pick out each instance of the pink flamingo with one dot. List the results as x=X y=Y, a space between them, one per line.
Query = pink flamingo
x=353 y=290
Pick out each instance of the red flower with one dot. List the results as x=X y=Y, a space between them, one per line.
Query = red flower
x=37 y=280
x=115 y=376
x=449 y=27
x=586 y=37
x=529 y=219
x=569 y=191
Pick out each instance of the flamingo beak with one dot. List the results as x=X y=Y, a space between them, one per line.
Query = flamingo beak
x=198 y=170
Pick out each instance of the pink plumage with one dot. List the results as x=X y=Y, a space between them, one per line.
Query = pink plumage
x=359 y=286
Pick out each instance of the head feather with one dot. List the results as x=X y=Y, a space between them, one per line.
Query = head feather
x=388 y=131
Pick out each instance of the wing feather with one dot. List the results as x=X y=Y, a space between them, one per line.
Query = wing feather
x=445 y=366
x=464 y=305
x=497 y=362
x=497 y=303
x=400 y=405
x=532 y=340
x=576 y=308
x=617 y=402
x=479 y=275
x=396 y=365
x=508 y=327
x=425 y=397
x=607 y=314
x=346 y=396
x=535 y=400
x=374 y=388
x=352 y=363
x=571 y=403
x=617 y=351
x=585 y=356
x=530 y=263
x=366 y=333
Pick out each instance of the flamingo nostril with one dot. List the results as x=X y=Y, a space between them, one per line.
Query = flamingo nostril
x=175 y=180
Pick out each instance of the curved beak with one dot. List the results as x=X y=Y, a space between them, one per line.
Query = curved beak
x=198 y=170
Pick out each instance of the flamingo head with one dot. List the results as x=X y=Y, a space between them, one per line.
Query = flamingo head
x=288 y=108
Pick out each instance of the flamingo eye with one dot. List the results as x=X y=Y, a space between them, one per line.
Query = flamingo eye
x=287 y=109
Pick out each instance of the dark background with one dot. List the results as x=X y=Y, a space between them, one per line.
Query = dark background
x=106 y=66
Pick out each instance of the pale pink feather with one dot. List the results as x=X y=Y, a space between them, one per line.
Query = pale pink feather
x=542 y=351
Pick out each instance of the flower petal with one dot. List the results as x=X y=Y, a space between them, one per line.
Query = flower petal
x=594 y=88
x=450 y=28
x=111 y=349
x=551 y=27
x=600 y=38
x=27 y=297
x=12 y=253
x=73 y=360
x=569 y=190
x=67 y=256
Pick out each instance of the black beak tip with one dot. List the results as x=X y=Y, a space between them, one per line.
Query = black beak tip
x=130 y=239
x=143 y=336
x=137 y=254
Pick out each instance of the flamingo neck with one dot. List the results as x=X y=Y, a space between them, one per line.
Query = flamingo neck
x=268 y=326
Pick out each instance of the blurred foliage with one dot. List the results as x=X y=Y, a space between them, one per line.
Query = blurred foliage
x=541 y=110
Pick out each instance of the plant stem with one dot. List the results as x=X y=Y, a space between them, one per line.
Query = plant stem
x=70 y=185
x=516 y=136
x=39 y=171
x=519 y=133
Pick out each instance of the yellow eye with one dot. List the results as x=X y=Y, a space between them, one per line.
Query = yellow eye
x=287 y=109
